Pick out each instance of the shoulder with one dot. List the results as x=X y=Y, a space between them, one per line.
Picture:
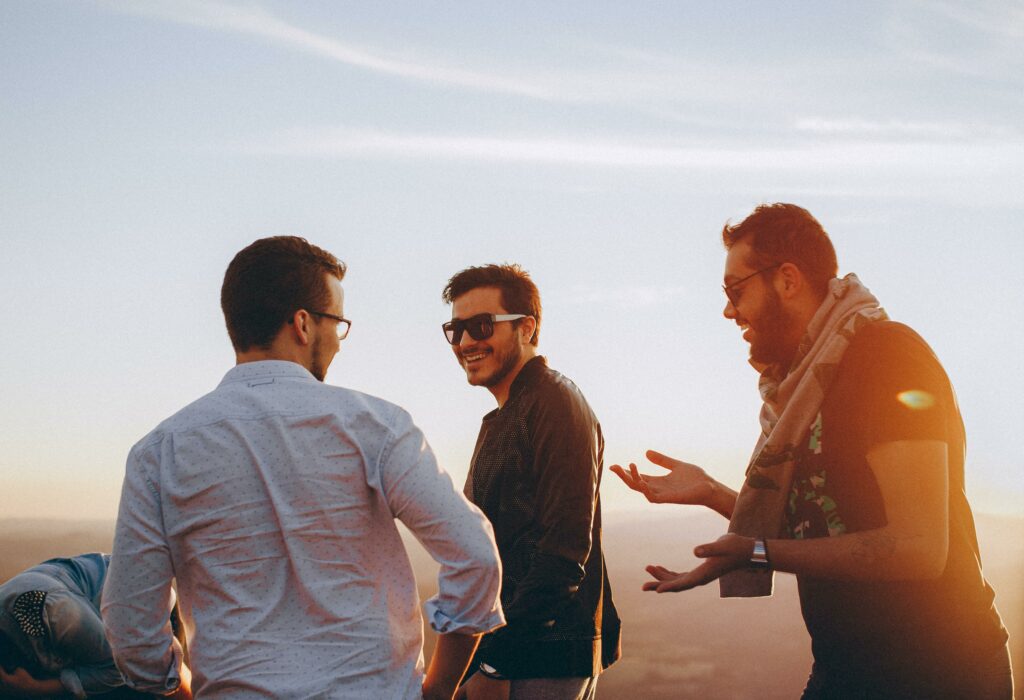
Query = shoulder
x=361 y=407
x=892 y=350
x=883 y=338
x=557 y=397
x=890 y=379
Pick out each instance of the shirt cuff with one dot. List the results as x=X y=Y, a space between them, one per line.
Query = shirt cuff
x=442 y=623
x=72 y=683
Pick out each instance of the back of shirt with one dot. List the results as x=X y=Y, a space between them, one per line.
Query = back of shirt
x=272 y=501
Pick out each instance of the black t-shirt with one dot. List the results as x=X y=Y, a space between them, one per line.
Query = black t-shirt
x=889 y=386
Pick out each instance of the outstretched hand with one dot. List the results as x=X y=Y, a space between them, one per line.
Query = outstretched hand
x=685 y=483
x=728 y=553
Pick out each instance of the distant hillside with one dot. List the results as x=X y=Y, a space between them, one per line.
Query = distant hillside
x=690 y=644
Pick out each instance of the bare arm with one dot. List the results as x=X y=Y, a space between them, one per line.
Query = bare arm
x=448 y=665
x=21 y=684
x=913 y=481
x=685 y=484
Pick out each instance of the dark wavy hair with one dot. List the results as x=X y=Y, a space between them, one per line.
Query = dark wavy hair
x=268 y=281
x=11 y=657
x=780 y=233
x=519 y=294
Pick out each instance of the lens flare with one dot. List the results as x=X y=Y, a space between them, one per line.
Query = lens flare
x=915 y=399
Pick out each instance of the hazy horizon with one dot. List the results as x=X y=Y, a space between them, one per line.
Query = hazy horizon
x=691 y=644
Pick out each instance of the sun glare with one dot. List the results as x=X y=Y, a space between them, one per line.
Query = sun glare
x=915 y=399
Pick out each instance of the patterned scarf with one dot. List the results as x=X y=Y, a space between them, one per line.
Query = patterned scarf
x=792 y=401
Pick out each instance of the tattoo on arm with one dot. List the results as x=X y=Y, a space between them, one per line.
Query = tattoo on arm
x=872 y=546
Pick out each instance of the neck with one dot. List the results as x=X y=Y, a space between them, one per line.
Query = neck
x=501 y=390
x=272 y=353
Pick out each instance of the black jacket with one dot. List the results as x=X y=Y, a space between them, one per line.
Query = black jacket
x=536 y=473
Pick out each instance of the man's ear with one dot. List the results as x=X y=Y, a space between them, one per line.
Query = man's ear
x=527 y=327
x=300 y=323
x=790 y=280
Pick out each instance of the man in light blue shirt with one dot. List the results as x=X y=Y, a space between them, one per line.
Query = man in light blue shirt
x=272 y=501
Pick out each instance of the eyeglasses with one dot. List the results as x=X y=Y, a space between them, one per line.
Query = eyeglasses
x=343 y=323
x=734 y=294
x=479 y=327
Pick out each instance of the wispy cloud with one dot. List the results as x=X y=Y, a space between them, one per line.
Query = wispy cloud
x=897 y=129
x=973 y=38
x=642 y=80
x=831 y=155
x=257 y=22
x=998 y=19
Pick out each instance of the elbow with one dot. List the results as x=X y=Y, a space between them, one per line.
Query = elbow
x=928 y=560
x=937 y=558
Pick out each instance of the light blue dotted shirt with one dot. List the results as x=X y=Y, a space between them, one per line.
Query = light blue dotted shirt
x=272 y=501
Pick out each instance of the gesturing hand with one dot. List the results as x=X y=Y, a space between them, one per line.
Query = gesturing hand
x=685 y=483
x=727 y=553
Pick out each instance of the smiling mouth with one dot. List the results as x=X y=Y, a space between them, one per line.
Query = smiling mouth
x=470 y=358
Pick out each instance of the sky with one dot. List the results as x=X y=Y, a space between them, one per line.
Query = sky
x=601 y=145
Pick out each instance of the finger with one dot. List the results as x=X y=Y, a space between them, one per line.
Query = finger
x=681 y=583
x=637 y=477
x=662 y=460
x=642 y=485
x=661 y=573
x=711 y=549
x=627 y=479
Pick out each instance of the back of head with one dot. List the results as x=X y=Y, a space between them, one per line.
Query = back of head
x=519 y=294
x=270 y=280
x=11 y=656
x=780 y=233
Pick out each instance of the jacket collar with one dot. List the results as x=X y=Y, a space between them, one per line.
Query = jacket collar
x=527 y=376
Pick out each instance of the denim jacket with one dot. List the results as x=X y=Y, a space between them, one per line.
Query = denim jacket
x=72 y=645
x=536 y=473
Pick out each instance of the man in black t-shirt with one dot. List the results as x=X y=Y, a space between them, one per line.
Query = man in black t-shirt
x=856 y=484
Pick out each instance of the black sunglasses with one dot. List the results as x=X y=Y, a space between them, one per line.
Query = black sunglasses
x=732 y=291
x=479 y=327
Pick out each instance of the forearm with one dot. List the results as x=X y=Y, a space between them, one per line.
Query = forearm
x=722 y=499
x=20 y=684
x=882 y=554
x=448 y=664
x=547 y=589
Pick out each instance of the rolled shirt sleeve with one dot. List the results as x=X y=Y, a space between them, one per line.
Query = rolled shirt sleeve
x=452 y=530
x=137 y=595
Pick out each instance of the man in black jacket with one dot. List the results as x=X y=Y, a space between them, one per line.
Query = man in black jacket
x=535 y=473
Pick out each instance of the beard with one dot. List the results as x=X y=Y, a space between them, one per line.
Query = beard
x=506 y=358
x=507 y=362
x=317 y=366
x=770 y=344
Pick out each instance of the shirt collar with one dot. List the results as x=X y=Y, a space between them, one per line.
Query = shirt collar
x=264 y=369
x=530 y=372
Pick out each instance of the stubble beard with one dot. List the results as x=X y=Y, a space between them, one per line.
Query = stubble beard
x=508 y=359
x=770 y=346
x=316 y=367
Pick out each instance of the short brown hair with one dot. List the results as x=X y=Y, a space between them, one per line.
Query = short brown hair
x=781 y=233
x=519 y=294
x=268 y=281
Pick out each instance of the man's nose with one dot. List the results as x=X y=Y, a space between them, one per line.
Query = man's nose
x=729 y=311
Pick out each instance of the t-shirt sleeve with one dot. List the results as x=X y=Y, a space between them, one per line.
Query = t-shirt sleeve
x=904 y=393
